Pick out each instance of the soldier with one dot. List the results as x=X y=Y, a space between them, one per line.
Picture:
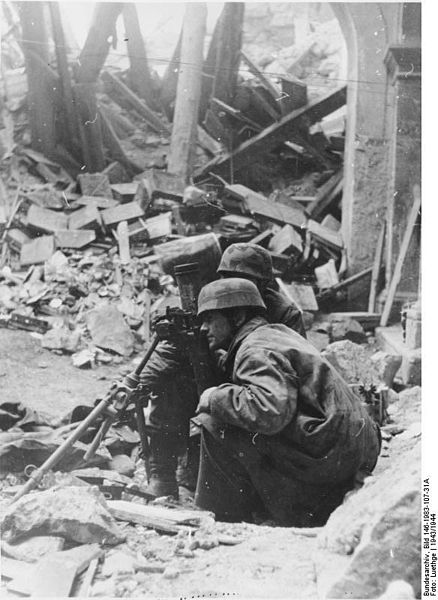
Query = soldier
x=170 y=377
x=254 y=263
x=285 y=436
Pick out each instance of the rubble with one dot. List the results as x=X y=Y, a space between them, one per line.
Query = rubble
x=78 y=514
x=109 y=330
x=383 y=523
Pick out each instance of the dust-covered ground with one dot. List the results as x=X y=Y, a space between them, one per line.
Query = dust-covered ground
x=266 y=563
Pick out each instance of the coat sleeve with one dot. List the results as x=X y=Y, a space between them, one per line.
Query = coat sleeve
x=263 y=395
x=168 y=359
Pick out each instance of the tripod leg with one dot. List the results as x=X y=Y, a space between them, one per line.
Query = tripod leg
x=141 y=425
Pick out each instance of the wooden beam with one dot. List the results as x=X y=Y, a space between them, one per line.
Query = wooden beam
x=276 y=134
x=140 y=79
x=221 y=65
x=376 y=269
x=101 y=35
x=70 y=136
x=401 y=257
x=267 y=84
x=113 y=144
x=326 y=194
x=169 y=81
x=114 y=83
x=89 y=127
x=41 y=95
x=184 y=131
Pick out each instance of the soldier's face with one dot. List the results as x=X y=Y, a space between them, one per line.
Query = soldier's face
x=217 y=329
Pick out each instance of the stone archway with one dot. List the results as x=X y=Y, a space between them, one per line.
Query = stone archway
x=382 y=151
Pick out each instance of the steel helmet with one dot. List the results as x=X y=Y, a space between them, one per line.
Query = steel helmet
x=247 y=259
x=229 y=293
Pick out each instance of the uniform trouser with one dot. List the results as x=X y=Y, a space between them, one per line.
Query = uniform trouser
x=236 y=480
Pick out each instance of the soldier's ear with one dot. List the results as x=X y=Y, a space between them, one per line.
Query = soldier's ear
x=239 y=316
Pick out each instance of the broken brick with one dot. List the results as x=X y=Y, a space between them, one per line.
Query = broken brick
x=124 y=212
x=95 y=184
x=38 y=250
x=43 y=219
x=85 y=218
x=74 y=239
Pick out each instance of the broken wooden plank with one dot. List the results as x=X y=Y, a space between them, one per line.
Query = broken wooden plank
x=286 y=241
x=326 y=194
x=95 y=184
x=38 y=250
x=124 y=212
x=85 y=218
x=46 y=220
x=220 y=106
x=262 y=239
x=293 y=94
x=325 y=235
x=258 y=205
x=377 y=266
x=208 y=143
x=99 y=39
x=402 y=255
x=67 y=238
x=114 y=83
x=114 y=145
x=123 y=241
x=129 y=511
x=97 y=201
x=276 y=134
x=267 y=84
x=84 y=590
x=345 y=283
x=376 y=269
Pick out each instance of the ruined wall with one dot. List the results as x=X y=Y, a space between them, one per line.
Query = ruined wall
x=382 y=143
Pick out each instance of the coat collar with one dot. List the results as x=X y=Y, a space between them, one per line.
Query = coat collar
x=241 y=334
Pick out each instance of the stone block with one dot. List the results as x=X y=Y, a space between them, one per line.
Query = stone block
x=347 y=329
x=109 y=330
x=374 y=537
x=74 y=239
x=95 y=184
x=78 y=514
x=38 y=250
x=352 y=362
x=125 y=192
x=45 y=220
x=124 y=212
x=286 y=241
x=387 y=365
x=85 y=218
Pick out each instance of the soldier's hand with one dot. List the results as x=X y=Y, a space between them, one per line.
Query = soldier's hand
x=204 y=401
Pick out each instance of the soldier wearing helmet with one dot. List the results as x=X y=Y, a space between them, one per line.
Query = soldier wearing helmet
x=284 y=437
x=174 y=399
x=254 y=263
